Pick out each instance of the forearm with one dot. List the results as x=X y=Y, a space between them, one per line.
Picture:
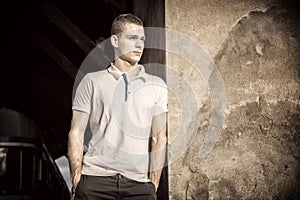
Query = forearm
x=75 y=145
x=157 y=159
x=75 y=153
x=158 y=147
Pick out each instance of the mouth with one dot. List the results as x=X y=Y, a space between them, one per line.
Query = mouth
x=138 y=53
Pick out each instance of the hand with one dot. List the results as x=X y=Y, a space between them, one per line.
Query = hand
x=155 y=184
x=154 y=180
x=76 y=180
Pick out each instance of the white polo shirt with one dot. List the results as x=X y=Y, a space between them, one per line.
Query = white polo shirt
x=121 y=106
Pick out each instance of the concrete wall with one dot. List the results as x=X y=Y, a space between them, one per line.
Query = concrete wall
x=255 y=46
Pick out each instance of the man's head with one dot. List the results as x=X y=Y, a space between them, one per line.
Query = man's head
x=128 y=38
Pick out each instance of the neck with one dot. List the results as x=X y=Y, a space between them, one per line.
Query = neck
x=124 y=66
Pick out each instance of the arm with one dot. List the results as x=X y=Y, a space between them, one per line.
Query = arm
x=158 y=147
x=75 y=144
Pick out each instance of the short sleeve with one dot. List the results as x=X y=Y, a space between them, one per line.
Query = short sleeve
x=161 y=102
x=83 y=95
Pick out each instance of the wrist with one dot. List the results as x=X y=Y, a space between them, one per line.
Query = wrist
x=76 y=176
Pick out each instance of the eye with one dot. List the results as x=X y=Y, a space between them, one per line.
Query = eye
x=133 y=37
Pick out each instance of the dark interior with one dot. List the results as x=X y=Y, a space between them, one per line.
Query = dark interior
x=44 y=44
x=33 y=79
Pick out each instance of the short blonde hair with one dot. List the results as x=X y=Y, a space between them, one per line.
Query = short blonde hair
x=121 y=20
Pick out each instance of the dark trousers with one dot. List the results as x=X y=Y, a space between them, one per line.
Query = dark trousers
x=113 y=187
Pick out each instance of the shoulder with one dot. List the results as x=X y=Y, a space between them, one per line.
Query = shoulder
x=94 y=76
x=155 y=79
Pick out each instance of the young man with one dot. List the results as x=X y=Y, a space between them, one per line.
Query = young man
x=125 y=106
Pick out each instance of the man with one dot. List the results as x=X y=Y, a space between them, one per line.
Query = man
x=125 y=106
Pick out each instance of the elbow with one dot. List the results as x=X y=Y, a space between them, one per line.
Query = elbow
x=160 y=139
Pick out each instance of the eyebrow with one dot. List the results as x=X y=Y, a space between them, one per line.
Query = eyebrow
x=134 y=35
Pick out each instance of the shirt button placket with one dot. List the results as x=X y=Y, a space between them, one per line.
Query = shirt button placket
x=129 y=97
x=129 y=93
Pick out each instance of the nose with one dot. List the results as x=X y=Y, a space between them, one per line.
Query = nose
x=139 y=44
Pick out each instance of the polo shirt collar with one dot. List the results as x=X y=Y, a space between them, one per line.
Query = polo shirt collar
x=131 y=75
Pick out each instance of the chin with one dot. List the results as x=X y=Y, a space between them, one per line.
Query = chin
x=134 y=60
x=131 y=58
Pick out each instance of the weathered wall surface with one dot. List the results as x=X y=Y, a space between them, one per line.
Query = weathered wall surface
x=256 y=47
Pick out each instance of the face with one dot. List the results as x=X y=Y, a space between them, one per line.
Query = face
x=129 y=44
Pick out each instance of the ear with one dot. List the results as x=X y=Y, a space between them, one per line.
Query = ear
x=114 y=41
